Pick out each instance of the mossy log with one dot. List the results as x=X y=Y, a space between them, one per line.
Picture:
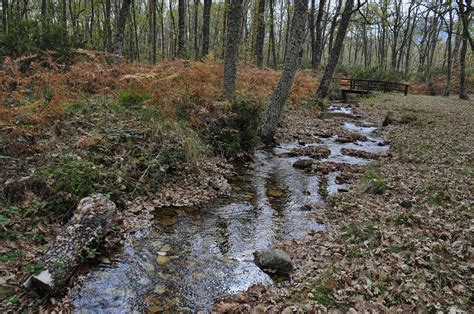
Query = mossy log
x=92 y=218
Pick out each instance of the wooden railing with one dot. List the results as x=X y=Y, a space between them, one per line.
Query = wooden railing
x=348 y=85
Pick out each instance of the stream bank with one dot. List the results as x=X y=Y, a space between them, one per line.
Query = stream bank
x=190 y=257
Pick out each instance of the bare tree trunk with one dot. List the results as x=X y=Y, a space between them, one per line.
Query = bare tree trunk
x=206 y=19
x=462 y=67
x=335 y=51
x=333 y=25
x=122 y=19
x=153 y=31
x=181 y=28
x=196 y=35
x=5 y=15
x=272 y=35
x=232 y=47
x=162 y=26
x=282 y=91
x=108 y=26
x=173 y=31
x=312 y=35
x=260 y=32
x=318 y=47
x=450 y=26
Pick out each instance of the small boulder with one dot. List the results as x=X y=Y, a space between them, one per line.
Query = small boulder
x=274 y=261
x=303 y=163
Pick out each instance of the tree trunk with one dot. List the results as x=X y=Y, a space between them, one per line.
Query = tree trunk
x=232 y=47
x=122 y=19
x=5 y=15
x=196 y=35
x=272 y=35
x=318 y=47
x=312 y=35
x=107 y=26
x=335 y=51
x=153 y=31
x=91 y=221
x=260 y=33
x=450 y=26
x=282 y=91
x=181 y=28
x=206 y=19
x=462 y=69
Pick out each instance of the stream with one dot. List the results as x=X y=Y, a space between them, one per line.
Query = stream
x=190 y=257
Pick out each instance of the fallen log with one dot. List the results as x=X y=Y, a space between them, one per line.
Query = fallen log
x=91 y=220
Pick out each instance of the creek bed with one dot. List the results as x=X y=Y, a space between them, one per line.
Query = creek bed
x=191 y=256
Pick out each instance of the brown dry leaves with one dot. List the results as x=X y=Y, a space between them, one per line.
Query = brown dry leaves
x=409 y=248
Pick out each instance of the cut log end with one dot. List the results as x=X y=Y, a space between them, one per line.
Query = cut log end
x=91 y=221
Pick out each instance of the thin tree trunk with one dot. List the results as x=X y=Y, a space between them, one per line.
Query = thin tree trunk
x=232 y=47
x=153 y=31
x=196 y=35
x=282 y=91
x=335 y=51
x=206 y=19
x=318 y=47
x=272 y=35
x=312 y=35
x=5 y=15
x=450 y=25
x=181 y=27
x=107 y=26
x=260 y=32
x=120 y=29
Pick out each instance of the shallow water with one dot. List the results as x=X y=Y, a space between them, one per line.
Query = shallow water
x=190 y=257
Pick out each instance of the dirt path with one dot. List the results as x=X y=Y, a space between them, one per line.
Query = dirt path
x=402 y=238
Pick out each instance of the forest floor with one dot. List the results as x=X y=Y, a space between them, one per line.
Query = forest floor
x=401 y=239
x=155 y=136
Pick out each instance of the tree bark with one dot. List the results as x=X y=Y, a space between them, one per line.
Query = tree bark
x=462 y=69
x=153 y=31
x=122 y=19
x=195 y=26
x=206 y=20
x=450 y=26
x=5 y=15
x=282 y=91
x=272 y=35
x=181 y=28
x=335 y=51
x=260 y=32
x=232 y=47
x=318 y=47
x=91 y=221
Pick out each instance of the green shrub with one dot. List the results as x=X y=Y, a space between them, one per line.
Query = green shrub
x=70 y=180
x=26 y=37
x=133 y=98
x=236 y=133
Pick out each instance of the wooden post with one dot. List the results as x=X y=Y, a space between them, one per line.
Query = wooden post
x=406 y=89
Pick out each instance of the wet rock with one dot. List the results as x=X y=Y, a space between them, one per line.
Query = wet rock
x=271 y=260
x=303 y=163
x=302 y=143
x=315 y=152
x=359 y=153
x=353 y=137
x=342 y=190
